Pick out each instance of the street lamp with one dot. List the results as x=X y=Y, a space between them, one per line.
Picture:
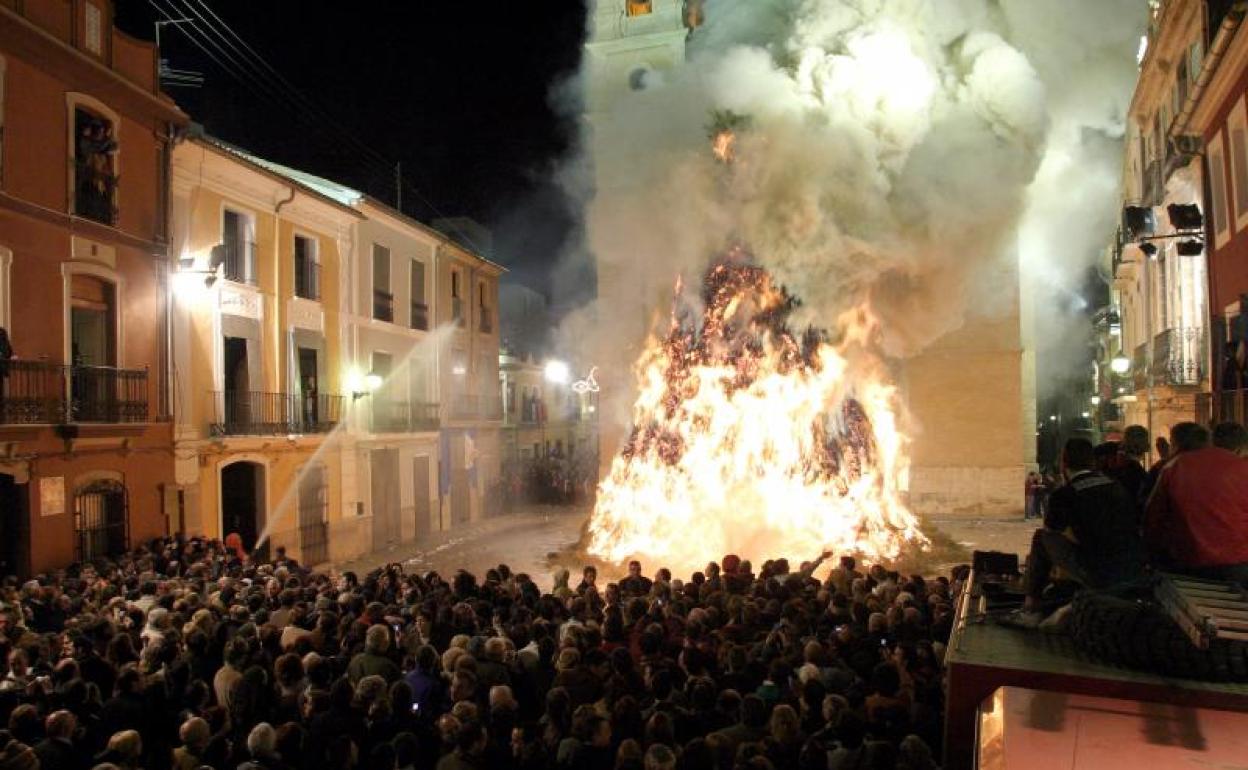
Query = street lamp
x=1120 y=364
x=361 y=386
x=557 y=372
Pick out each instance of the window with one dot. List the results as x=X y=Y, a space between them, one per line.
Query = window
x=1237 y=131
x=93 y=32
x=238 y=250
x=1217 y=183
x=383 y=298
x=457 y=302
x=100 y=520
x=95 y=167
x=419 y=318
x=2 y=79
x=307 y=271
x=637 y=7
x=486 y=321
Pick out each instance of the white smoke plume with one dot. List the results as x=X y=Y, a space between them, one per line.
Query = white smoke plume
x=897 y=150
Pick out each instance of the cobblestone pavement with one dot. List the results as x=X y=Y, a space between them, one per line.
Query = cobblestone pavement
x=524 y=541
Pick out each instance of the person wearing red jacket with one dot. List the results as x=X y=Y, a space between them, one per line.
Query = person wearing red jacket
x=1196 y=521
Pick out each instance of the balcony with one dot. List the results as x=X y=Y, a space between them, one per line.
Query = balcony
x=1178 y=357
x=419 y=318
x=95 y=194
x=239 y=263
x=404 y=417
x=383 y=306
x=485 y=320
x=253 y=413
x=42 y=393
x=307 y=279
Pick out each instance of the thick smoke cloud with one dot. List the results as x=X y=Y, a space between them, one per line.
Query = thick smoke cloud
x=901 y=154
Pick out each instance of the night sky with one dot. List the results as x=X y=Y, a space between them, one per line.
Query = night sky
x=457 y=91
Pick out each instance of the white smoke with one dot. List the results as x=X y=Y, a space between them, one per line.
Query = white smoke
x=895 y=148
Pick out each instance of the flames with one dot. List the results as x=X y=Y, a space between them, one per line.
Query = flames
x=751 y=439
x=723 y=144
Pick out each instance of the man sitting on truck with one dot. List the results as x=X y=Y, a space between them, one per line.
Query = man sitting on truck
x=1090 y=531
x=1196 y=522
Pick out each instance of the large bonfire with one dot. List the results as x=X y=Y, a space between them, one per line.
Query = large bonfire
x=753 y=439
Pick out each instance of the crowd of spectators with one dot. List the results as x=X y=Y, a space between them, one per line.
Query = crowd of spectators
x=1114 y=520
x=186 y=654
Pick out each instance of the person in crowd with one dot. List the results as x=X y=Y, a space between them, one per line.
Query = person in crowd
x=1196 y=521
x=177 y=656
x=635 y=584
x=1090 y=532
x=1232 y=437
x=1128 y=468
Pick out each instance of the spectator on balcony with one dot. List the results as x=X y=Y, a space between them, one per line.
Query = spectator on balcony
x=1232 y=437
x=1196 y=521
x=1105 y=548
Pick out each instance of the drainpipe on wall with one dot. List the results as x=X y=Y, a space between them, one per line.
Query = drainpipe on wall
x=277 y=287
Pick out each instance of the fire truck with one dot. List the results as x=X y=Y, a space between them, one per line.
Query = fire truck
x=1156 y=678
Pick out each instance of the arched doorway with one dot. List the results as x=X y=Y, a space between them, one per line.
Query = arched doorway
x=243 y=501
x=100 y=520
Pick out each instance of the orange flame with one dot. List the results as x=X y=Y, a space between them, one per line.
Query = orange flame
x=750 y=439
x=724 y=146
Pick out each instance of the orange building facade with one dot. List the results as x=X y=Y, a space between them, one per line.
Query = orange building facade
x=86 y=451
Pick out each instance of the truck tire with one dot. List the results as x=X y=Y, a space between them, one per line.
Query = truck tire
x=1135 y=633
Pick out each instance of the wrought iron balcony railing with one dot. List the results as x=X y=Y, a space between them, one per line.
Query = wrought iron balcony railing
x=254 y=413
x=404 y=417
x=39 y=392
x=383 y=306
x=419 y=318
x=485 y=320
x=239 y=264
x=1179 y=357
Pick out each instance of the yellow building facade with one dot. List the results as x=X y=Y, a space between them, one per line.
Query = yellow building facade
x=259 y=377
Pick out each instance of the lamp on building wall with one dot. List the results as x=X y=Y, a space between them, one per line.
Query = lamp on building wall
x=1120 y=364
x=1185 y=216
x=1138 y=221
x=363 y=385
x=1189 y=248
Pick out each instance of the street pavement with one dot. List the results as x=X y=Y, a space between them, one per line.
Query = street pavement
x=525 y=541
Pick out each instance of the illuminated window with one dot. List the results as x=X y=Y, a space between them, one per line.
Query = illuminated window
x=638 y=7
